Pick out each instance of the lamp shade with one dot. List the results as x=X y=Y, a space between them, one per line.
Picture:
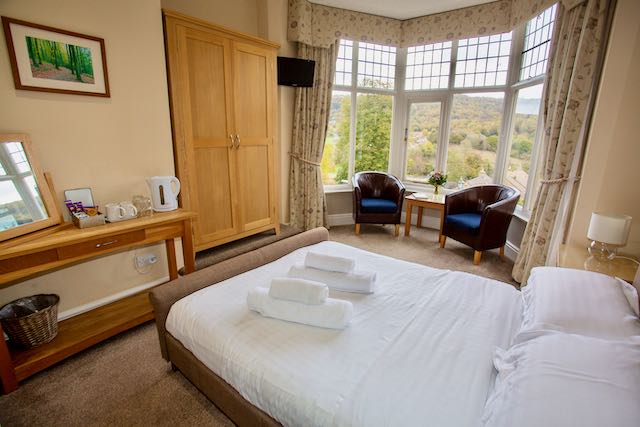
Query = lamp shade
x=612 y=229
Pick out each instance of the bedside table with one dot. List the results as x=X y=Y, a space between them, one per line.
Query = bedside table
x=574 y=256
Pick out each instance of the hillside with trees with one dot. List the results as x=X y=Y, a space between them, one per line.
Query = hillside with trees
x=473 y=139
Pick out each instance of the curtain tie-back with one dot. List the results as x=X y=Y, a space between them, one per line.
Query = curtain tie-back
x=559 y=180
x=295 y=156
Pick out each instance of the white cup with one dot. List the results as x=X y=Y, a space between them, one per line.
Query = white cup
x=115 y=212
x=130 y=211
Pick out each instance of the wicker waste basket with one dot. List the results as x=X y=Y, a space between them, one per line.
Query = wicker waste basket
x=31 y=321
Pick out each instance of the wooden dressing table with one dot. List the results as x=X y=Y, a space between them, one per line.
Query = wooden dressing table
x=65 y=245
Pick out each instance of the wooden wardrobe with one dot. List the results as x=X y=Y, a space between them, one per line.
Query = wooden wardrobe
x=222 y=87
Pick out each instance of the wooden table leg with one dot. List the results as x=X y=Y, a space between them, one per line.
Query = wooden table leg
x=441 y=224
x=171 y=259
x=419 y=220
x=7 y=373
x=407 y=221
x=187 y=248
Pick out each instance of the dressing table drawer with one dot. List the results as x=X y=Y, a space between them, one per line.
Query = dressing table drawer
x=10 y=265
x=104 y=244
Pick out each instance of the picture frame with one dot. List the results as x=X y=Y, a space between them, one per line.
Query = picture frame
x=48 y=59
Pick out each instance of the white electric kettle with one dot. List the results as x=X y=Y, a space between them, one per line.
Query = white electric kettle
x=163 y=196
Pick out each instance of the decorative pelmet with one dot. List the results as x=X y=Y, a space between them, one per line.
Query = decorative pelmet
x=320 y=26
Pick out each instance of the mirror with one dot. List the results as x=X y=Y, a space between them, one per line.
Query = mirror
x=26 y=202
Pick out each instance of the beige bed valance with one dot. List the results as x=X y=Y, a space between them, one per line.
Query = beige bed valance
x=320 y=26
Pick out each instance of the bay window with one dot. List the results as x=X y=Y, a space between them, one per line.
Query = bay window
x=469 y=108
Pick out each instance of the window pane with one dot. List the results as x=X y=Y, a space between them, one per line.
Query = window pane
x=473 y=138
x=372 y=60
x=18 y=157
x=432 y=60
x=373 y=132
x=537 y=35
x=423 y=130
x=335 y=158
x=344 y=63
x=483 y=61
x=525 y=125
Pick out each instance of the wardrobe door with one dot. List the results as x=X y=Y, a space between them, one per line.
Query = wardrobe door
x=204 y=149
x=255 y=103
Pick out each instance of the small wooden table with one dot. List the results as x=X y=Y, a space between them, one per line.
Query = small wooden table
x=26 y=257
x=577 y=256
x=433 y=201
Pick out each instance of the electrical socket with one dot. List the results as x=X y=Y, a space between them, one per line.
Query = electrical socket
x=144 y=260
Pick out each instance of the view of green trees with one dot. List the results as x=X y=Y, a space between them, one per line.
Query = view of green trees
x=473 y=139
x=422 y=140
x=59 y=61
x=373 y=136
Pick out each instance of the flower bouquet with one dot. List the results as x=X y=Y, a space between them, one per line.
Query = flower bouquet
x=437 y=179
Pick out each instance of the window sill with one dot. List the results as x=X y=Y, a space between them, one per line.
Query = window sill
x=522 y=214
x=414 y=187
x=338 y=188
x=411 y=187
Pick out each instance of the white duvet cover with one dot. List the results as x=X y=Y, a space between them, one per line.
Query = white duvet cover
x=418 y=352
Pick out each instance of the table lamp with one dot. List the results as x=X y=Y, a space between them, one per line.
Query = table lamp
x=607 y=233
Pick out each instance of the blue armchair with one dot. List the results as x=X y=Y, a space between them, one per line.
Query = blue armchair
x=377 y=199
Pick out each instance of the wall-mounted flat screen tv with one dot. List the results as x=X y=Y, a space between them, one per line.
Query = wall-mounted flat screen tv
x=295 y=72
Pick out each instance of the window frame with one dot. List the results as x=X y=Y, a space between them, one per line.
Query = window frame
x=353 y=89
x=402 y=98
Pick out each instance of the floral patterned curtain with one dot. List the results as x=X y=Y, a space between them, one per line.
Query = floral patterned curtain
x=571 y=73
x=307 y=201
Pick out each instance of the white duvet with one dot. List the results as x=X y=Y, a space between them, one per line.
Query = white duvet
x=418 y=351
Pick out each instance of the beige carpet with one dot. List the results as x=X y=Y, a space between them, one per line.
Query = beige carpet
x=422 y=247
x=125 y=382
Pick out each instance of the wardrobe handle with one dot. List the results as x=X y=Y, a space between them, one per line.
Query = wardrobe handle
x=238 y=140
x=233 y=143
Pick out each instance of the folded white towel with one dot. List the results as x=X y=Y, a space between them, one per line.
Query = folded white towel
x=298 y=290
x=329 y=262
x=332 y=314
x=356 y=281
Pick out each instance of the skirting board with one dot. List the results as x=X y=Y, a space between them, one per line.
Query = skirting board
x=510 y=250
x=111 y=298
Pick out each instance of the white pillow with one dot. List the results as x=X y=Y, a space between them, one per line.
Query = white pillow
x=579 y=302
x=558 y=379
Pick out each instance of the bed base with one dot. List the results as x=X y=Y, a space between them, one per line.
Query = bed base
x=225 y=397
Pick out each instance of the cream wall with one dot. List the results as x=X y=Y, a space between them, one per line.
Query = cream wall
x=108 y=144
x=240 y=15
x=611 y=173
x=274 y=27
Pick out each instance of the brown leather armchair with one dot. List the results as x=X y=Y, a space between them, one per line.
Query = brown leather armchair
x=377 y=199
x=479 y=217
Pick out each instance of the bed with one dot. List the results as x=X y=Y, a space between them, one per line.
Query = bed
x=420 y=350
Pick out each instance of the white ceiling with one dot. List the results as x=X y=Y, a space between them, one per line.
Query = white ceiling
x=401 y=9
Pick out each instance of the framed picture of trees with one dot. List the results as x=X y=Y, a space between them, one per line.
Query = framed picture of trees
x=52 y=60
